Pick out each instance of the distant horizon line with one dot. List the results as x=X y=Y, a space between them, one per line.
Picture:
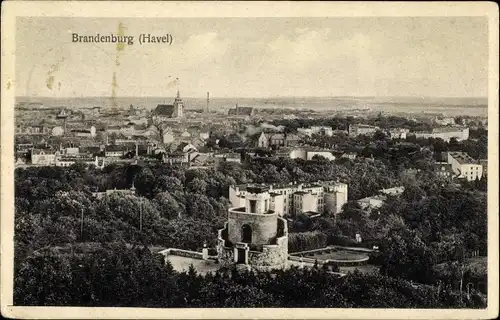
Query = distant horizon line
x=269 y=97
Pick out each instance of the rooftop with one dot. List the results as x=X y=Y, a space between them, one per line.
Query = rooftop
x=447 y=129
x=290 y=185
x=462 y=157
x=442 y=166
x=246 y=111
x=164 y=110
x=256 y=188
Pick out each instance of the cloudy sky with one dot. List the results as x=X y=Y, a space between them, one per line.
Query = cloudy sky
x=257 y=57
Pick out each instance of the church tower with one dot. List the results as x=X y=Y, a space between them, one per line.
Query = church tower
x=178 y=107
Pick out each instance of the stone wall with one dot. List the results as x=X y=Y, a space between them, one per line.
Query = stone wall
x=182 y=253
x=225 y=256
x=264 y=226
x=271 y=257
x=308 y=256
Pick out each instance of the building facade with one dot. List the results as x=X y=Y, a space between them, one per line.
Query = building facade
x=255 y=236
x=357 y=129
x=44 y=157
x=464 y=166
x=323 y=197
x=309 y=154
x=445 y=133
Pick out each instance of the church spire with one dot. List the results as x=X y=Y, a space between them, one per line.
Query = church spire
x=178 y=94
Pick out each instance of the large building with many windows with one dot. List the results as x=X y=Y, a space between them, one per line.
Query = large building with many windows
x=464 y=166
x=357 y=129
x=445 y=133
x=292 y=199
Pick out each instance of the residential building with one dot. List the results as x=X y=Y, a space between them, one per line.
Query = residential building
x=376 y=201
x=305 y=202
x=305 y=131
x=357 y=129
x=373 y=202
x=464 y=166
x=66 y=161
x=263 y=141
x=398 y=133
x=291 y=140
x=291 y=199
x=228 y=157
x=241 y=111
x=44 y=157
x=277 y=140
x=204 y=135
x=308 y=154
x=327 y=131
x=90 y=133
x=175 y=158
x=445 y=121
x=395 y=191
x=443 y=170
x=349 y=155
x=34 y=130
x=110 y=192
x=186 y=147
x=484 y=164
x=168 y=137
x=24 y=148
x=445 y=133
x=115 y=151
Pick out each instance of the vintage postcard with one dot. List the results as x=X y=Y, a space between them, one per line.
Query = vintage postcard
x=284 y=160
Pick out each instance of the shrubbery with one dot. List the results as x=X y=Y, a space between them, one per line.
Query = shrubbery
x=304 y=241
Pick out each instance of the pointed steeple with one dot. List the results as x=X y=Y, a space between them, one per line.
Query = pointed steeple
x=178 y=94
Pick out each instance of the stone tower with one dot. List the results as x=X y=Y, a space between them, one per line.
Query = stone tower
x=63 y=115
x=254 y=236
x=178 y=107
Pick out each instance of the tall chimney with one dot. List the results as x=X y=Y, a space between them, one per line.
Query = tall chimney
x=208 y=101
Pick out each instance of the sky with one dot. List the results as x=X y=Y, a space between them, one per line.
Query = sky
x=256 y=57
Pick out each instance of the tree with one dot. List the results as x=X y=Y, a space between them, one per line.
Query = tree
x=408 y=257
x=197 y=186
x=168 y=206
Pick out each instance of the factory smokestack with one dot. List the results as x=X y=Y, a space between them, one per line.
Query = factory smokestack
x=208 y=101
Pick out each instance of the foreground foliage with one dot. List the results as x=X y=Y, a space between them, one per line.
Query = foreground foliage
x=117 y=276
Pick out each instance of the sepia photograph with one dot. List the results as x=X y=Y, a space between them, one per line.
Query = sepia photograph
x=232 y=155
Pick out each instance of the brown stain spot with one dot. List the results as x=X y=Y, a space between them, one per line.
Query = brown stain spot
x=119 y=47
x=50 y=75
x=114 y=85
x=121 y=33
x=9 y=84
x=50 y=82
